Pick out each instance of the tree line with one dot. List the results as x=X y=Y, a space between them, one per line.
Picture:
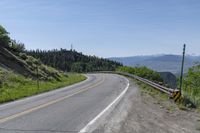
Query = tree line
x=65 y=60
x=73 y=61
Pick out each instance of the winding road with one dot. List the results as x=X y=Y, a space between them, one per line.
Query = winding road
x=69 y=109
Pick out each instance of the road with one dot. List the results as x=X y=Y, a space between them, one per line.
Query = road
x=68 y=109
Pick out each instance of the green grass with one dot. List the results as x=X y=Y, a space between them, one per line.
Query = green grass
x=191 y=87
x=193 y=95
x=146 y=89
x=15 y=86
x=160 y=96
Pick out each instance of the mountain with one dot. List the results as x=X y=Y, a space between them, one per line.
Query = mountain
x=160 y=63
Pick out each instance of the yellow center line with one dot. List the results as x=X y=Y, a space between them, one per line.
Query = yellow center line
x=2 y=120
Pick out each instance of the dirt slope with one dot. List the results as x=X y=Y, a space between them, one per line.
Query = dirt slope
x=9 y=60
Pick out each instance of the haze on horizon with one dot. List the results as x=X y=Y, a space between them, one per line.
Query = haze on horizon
x=106 y=28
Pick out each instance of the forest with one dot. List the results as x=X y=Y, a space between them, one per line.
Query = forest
x=73 y=61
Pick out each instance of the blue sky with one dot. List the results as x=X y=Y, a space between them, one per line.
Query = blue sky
x=105 y=28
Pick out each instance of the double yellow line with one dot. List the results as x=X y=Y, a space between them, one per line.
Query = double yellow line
x=2 y=120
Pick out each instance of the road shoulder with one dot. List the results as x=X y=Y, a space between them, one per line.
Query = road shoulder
x=141 y=112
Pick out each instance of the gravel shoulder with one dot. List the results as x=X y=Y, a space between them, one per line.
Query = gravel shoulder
x=141 y=111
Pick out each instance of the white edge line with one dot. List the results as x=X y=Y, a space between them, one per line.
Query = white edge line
x=84 y=130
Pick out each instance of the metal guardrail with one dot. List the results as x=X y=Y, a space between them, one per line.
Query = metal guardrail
x=171 y=92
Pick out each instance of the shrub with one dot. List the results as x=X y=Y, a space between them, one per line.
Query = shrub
x=17 y=47
x=143 y=72
x=23 y=56
x=1 y=83
x=4 y=38
x=191 y=85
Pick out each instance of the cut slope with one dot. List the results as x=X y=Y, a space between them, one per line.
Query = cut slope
x=12 y=57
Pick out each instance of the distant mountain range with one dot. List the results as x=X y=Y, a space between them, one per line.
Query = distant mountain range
x=160 y=63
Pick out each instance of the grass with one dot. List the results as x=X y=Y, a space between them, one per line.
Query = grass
x=193 y=96
x=160 y=96
x=13 y=86
x=191 y=87
x=146 y=89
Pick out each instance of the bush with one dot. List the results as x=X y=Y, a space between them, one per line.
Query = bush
x=23 y=56
x=29 y=62
x=4 y=38
x=1 y=83
x=17 y=47
x=191 y=85
x=143 y=72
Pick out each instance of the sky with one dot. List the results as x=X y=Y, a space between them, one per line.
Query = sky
x=105 y=28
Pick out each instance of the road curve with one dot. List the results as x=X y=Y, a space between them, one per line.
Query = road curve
x=68 y=109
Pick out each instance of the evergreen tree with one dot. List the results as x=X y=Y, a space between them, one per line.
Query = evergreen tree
x=68 y=60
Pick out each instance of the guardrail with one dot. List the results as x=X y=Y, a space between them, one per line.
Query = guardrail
x=173 y=93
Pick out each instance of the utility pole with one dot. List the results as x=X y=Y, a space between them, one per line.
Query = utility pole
x=182 y=66
x=71 y=47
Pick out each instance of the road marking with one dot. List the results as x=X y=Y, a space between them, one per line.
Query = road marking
x=2 y=120
x=89 y=125
x=43 y=94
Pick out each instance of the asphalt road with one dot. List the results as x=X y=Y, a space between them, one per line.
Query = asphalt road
x=67 y=109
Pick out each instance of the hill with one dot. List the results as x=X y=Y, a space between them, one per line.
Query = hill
x=160 y=63
x=73 y=61
x=22 y=75
x=13 y=58
x=169 y=79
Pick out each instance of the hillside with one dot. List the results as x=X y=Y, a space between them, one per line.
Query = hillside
x=160 y=63
x=22 y=75
x=25 y=65
x=13 y=58
x=169 y=79
x=25 y=73
x=73 y=61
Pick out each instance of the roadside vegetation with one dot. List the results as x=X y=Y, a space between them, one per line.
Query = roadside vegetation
x=13 y=57
x=143 y=72
x=160 y=97
x=191 y=86
x=146 y=89
x=20 y=72
x=14 y=86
